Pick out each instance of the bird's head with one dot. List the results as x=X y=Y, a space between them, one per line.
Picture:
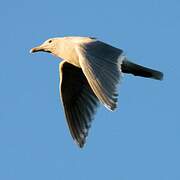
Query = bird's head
x=51 y=46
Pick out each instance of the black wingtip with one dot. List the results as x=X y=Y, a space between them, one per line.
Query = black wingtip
x=138 y=70
x=80 y=143
x=80 y=140
x=158 y=75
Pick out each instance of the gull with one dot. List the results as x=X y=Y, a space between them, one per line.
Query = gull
x=89 y=74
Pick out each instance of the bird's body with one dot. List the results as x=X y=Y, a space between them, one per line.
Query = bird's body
x=67 y=50
x=89 y=73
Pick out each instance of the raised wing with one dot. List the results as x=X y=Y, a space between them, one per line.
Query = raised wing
x=78 y=99
x=101 y=63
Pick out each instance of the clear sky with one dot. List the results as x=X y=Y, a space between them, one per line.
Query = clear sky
x=139 y=141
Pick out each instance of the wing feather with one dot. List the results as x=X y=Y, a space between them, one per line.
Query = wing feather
x=100 y=64
x=79 y=101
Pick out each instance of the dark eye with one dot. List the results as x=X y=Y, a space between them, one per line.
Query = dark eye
x=50 y=41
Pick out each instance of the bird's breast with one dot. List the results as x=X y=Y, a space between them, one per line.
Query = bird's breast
x=69 y=54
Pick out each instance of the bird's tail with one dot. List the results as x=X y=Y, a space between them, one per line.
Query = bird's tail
x=137 y=70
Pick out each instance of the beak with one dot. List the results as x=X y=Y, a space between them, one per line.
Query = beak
x=37 y=49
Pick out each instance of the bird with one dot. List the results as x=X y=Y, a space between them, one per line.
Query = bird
x=89 y=74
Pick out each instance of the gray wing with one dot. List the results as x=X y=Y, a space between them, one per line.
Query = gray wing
x=79 y=101
x=100 y=63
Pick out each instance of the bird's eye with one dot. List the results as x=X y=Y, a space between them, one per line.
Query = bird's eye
x=50 y=41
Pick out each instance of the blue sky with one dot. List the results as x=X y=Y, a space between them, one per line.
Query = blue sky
x=139 y=141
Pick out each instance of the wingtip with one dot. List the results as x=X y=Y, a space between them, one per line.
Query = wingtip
x=158 y=75
x=111 y=107
x=161 y=76
x=80 y=144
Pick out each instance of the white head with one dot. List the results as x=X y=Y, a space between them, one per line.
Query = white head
x=51 y=46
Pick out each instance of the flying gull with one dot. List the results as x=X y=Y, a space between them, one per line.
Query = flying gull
x=89 y=74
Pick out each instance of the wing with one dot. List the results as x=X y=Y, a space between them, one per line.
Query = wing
x=100 y=63
x=79 y=101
